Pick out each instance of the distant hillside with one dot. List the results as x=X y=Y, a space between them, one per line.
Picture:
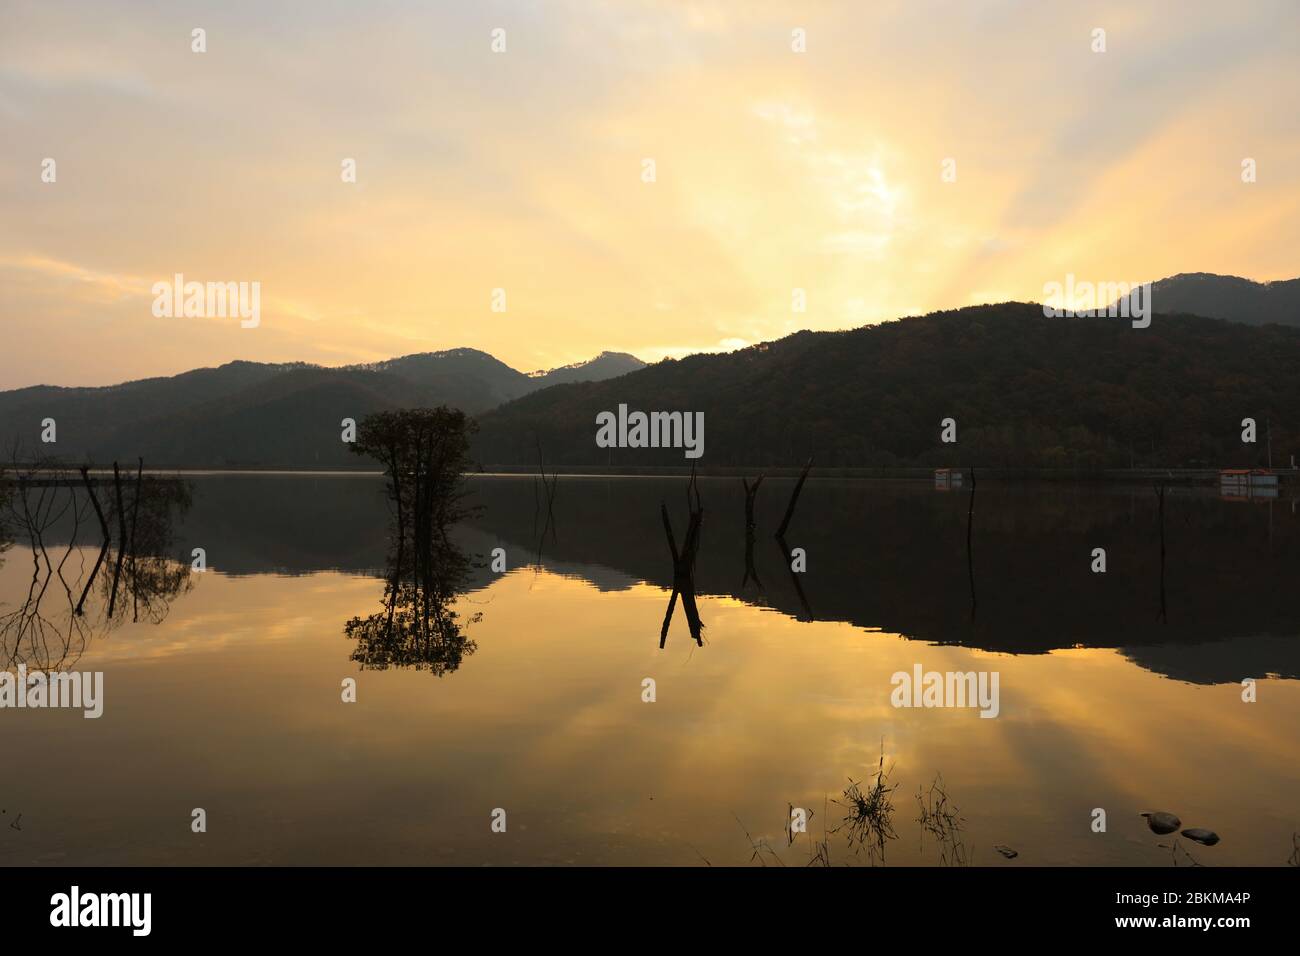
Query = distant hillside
x=1229 y=297
x=603 y=366
x=1026 y=392
x=476 y=379
x=249 y=414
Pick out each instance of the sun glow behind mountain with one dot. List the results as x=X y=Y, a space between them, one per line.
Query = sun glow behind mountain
x=775 y=171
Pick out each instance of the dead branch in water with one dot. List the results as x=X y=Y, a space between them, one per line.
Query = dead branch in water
x=550 y=488
x=121 y=539
x=135 y=513
x=751 y=492
x=684 y=566
x=103 y=548
x=1160 y=496
x=970 y=559
x=794 y=499
x=786 y=555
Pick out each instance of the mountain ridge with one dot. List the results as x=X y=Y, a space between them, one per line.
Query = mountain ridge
x=1232 y=298
x=1028 y=391
x=1025 y=391
x=244 y=413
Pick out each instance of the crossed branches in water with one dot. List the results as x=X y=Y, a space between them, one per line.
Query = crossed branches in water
x=684 y=564
x=42 y=499
x=33 y=632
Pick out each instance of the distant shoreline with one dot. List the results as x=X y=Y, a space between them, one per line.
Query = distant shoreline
x=1286 y=476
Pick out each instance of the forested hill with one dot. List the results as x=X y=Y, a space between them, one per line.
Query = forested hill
x=1229 y=297
x=1026 y=391
x=258 y=415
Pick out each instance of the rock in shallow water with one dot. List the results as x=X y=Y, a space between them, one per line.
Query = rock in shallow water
x=1202 y=836
x=1006 y=851
x=1161 y=822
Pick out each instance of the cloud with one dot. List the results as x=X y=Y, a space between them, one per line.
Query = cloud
x=775 y=170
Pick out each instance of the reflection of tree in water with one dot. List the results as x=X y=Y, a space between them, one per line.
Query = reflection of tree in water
x=424 y=452
x=417 y=627
x=69 y=599
x=149 y=579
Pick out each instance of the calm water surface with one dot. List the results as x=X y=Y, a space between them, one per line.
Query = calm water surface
x=226 y=694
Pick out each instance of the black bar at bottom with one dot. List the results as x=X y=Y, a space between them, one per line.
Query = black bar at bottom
x=389 y=904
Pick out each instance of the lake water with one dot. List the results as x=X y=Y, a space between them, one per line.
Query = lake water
x=227 y=694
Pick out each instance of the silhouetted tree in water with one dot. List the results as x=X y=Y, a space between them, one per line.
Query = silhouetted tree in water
x=425 y=455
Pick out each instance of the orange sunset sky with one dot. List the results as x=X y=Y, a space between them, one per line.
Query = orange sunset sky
x=522 y=170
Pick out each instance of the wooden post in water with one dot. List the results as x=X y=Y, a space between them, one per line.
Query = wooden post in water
x=135 y=511
x=751 y=492
x=1164 y=611
x=683 y=573
x=103 y=548
x=121 y=539
x=794 y=499
x=970 y=558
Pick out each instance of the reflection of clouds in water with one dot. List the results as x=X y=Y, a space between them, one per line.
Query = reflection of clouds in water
x=772 y=711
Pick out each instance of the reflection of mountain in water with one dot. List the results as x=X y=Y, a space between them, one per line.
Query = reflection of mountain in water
x=892 y=556
x=880 y=555
x=1214 y=662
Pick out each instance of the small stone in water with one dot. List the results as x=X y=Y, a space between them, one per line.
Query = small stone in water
x=1202 y=836
x=1006 y=851
x=1161 y=822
